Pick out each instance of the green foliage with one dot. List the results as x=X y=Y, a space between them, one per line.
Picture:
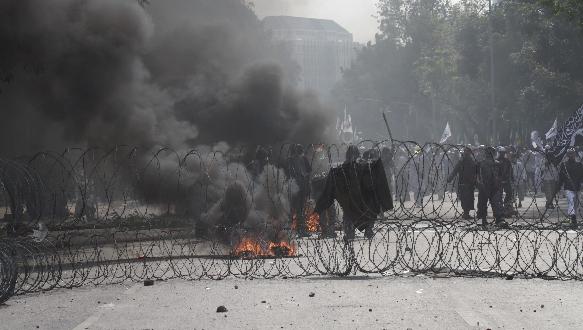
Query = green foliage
x=431 y=64
x=570 y=8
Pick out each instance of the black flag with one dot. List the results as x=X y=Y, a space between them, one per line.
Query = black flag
x=568 y=135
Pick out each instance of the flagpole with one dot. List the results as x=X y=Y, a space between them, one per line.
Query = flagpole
x=388 y=128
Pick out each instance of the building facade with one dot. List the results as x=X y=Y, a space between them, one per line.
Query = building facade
x=322 y=48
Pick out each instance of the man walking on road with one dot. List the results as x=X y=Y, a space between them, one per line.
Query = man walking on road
x=466 y=170
x=490 y=190
x=570 y=177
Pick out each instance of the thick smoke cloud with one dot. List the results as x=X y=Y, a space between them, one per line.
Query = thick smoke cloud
x=77 y=74
x=175 y=73
x=181 y=74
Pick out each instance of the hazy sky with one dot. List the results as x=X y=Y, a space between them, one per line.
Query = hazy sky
x=357 y=16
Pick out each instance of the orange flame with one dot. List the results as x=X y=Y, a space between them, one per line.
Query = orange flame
x=282 y=249
x=249 y=247
x=313 y=222
x=312 y=219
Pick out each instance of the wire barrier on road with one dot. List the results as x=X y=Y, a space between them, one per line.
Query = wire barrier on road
x=109 y=216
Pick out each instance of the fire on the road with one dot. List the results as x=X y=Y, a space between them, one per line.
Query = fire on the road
x=312 y=219
x=251 y=247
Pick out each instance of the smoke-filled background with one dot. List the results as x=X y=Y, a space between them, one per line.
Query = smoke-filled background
x=184 y=74
x=169 y=73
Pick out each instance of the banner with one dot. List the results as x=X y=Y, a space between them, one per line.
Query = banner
x=568 y=135
x=446 y=134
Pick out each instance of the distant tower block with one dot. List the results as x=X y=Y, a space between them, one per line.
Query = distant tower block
x=321 y=47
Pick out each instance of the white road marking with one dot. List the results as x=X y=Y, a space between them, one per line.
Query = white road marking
x=472 y=319
x=89 y=322
x=102 y=309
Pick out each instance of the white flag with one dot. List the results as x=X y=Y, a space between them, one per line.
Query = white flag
x=552 y=132
x=446 y=134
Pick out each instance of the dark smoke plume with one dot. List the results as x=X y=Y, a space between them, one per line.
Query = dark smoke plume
x=182 y=74
x=173 y=73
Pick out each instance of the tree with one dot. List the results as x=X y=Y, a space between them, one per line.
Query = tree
x=570 y=8
x=430 y=64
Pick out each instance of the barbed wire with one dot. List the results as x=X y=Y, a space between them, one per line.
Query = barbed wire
x=109 y=216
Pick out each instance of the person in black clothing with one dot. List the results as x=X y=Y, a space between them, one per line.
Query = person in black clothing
x=320 y=169
x=352 y=154
x=466 y=170
x=570 y=178
x=361 y=189
x=506 y=179
x=300 y=170
x=350 y=170
x=489 y=178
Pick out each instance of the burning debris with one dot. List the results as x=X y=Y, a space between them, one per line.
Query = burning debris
x=312 y=219
x=250 y=216
x=282 y=249
x=250 y=247
x=313 y=222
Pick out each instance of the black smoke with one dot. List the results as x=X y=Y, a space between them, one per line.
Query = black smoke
x=172 y=73
x=198 y=74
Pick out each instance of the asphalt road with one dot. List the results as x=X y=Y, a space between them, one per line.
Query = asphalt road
x=412 y=302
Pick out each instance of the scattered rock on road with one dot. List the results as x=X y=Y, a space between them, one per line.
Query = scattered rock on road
x=222 y=309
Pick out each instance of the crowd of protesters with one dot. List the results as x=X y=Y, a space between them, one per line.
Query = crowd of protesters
x=501 y=178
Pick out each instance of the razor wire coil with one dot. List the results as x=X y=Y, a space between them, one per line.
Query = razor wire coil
x=112 y=216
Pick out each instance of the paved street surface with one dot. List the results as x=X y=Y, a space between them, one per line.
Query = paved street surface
x=415 y=302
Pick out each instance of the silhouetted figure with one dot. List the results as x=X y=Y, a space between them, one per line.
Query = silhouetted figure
x=506 y=180
x=362 y=191
x=466 y=171
x=299 y=169
x=489 y=188
x=570 y=178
